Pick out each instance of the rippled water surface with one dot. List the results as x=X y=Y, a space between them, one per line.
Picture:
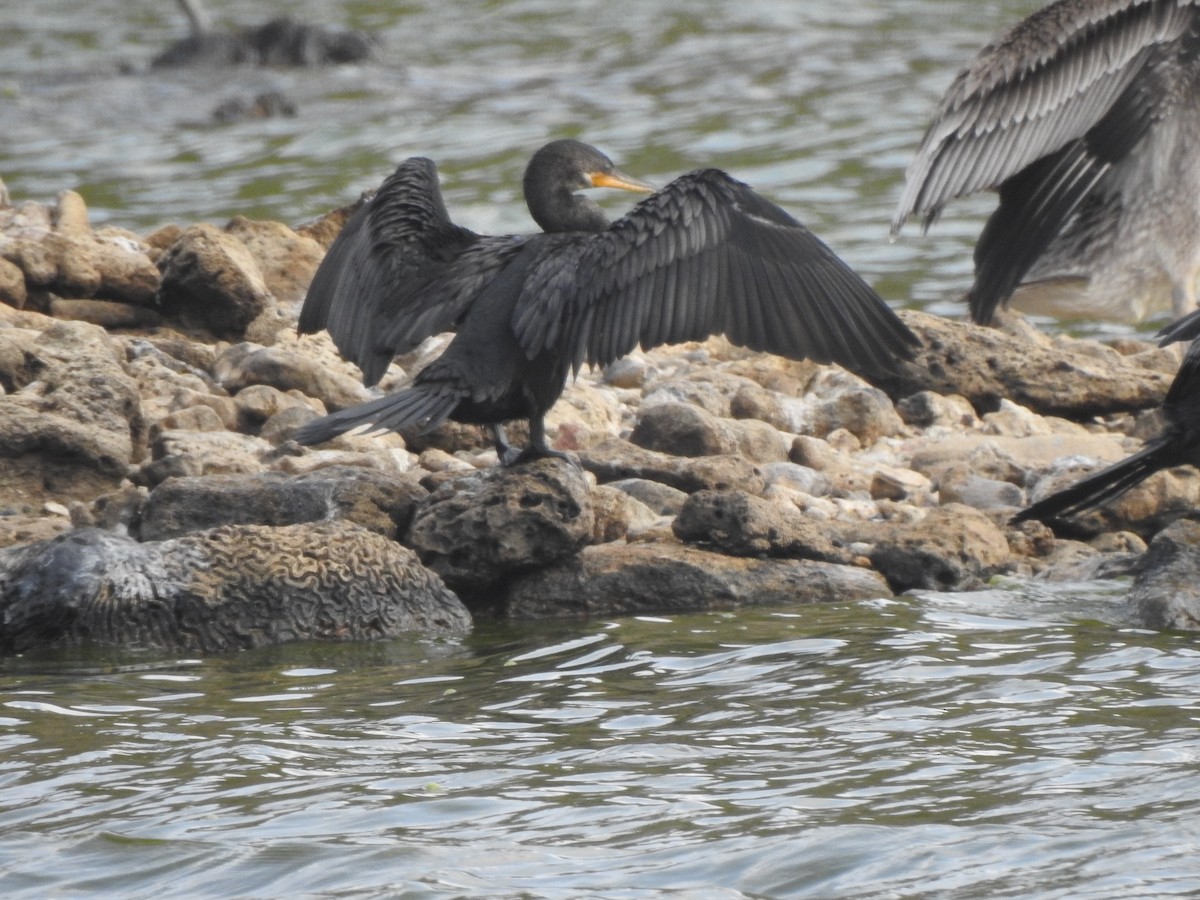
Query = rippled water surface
x=1000 y=744
x=985 y=745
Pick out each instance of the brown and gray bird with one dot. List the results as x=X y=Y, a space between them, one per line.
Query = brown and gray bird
x=702 y=256
x=1085 y=117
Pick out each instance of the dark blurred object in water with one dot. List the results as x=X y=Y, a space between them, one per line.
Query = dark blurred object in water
x=284 y=41
x=267 y=105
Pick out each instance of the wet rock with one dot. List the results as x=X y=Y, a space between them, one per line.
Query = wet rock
x=953 y=548
x=287 y=260
x=986 y=365
x=479 y=529
x=227 y=589
x=741 y=524
x=210 y=281
x=1166 y=590
x=633 y=579
x=375 y=500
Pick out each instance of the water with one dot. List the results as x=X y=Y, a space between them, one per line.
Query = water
x=995 y=744
x=1008 y=743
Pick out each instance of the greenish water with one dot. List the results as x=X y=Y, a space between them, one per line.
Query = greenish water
x=1009 y=743
x=985 y=745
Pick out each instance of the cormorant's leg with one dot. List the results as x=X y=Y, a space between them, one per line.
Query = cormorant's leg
x=538 y=448
x=504 y=449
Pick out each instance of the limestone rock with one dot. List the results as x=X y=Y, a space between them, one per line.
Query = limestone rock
x=242 y=365
x=479 y=529
x=634 y=579
x=212 y=282
x=986 y=365
x=615 y=459
x=67 y=434
x=741 y=524
x=378 y=501
x=953 y=548
x=227 y=589
x=286 y=259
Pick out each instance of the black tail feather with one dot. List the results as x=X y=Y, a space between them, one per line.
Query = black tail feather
x=411 y=408
x=1105 y=485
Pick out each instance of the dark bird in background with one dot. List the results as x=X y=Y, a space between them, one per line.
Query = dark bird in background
x=702 y=256
x=285 y=41
x=1177 y=445
x=1085 y=117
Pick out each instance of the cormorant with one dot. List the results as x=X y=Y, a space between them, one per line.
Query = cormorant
x=704 y=255
x=1177 y=445
x=1085 y=117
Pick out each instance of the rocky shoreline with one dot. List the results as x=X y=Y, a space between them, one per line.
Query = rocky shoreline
x=150 y=494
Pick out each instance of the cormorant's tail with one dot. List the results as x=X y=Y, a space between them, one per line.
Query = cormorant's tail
x=414 y=407
x=1105 y=485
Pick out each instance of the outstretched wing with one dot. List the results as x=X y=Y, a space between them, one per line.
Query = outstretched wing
x=702 y=256
x=399 y=271
x=1045 y=83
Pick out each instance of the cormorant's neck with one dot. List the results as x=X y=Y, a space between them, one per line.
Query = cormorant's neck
x=558 y=209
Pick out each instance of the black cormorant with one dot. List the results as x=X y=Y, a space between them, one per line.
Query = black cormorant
x=1177 y=445
x=704 y=255
x=1086 y=118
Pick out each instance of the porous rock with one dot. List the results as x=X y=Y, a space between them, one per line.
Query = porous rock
x=614 y=459
x=230 y=588
x=287 y=260
x=741 y=524
x=953 y=548
x=664 y=577
x=212 y=282
x=986 y=365
x=378 y=501
x=67 y=432
x=245 y=364
x=479 y=529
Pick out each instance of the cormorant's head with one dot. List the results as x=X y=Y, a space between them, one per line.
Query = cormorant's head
x=560 y=169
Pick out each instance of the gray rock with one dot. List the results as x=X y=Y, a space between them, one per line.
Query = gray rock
x=632 y=579
x=1166 y=590
x=375 y=500
x=212 y=592
x=479 y=529
x=192 y=453
x=741 y=524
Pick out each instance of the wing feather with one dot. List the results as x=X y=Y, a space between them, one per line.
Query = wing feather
x=399 y=271
x=708 y=255
x=1044 y=83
